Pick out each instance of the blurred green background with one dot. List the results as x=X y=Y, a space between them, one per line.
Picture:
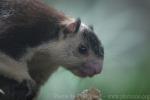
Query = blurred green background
x=124 y=29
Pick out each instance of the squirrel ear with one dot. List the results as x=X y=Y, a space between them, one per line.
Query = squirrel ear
x=73 y=27
x=91 y=27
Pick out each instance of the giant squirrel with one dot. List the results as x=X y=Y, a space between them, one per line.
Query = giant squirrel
x=35 y=40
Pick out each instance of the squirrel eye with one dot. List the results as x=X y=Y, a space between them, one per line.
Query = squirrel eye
x=83 y=49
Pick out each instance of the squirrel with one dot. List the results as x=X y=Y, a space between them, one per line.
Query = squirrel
x=35 y=40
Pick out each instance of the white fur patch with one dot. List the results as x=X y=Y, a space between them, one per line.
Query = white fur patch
x=13 y=69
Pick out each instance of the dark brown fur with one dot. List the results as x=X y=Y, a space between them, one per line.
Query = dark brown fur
x=27 y=24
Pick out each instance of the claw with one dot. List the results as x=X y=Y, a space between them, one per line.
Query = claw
x=2 y=92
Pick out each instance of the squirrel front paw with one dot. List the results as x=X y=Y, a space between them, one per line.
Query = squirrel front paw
x=30 y=87
x=13 y=90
